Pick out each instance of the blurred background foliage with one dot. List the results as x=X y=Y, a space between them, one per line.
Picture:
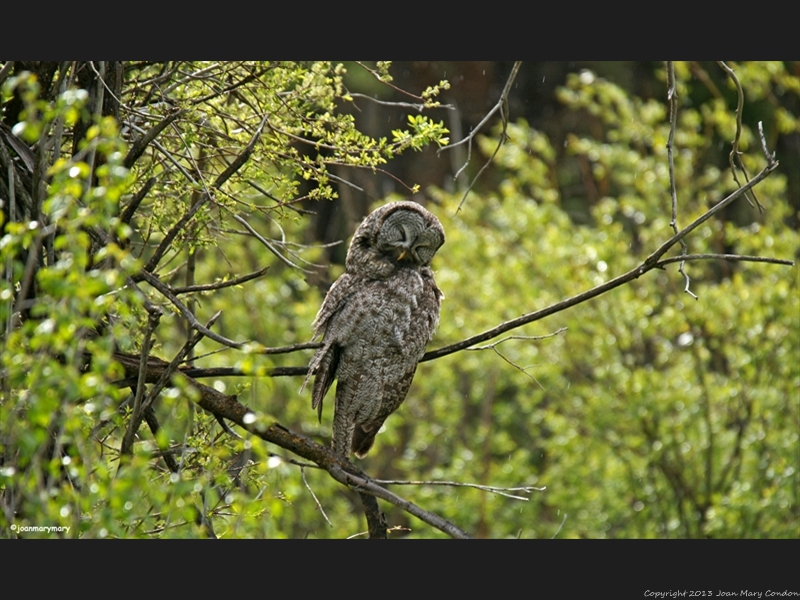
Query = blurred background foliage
x=651 y=415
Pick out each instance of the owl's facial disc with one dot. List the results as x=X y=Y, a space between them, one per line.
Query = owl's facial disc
x=406 y=238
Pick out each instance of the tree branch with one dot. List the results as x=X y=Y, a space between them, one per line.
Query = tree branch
x=672 y=97
x=735 y=155
x=501 y=491
x=223 y=177
x=186 y=313
x=140 y=145
x=650 y=263
x=206 y=287
x=341 y=469
x=502 y=106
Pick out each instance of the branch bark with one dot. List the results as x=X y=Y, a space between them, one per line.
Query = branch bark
x=343 y=471
x=652 y=262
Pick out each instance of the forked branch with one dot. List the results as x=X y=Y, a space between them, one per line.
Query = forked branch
x=653 y=261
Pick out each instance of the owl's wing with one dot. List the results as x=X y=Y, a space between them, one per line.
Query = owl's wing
x=326 y=360
x=335 y=299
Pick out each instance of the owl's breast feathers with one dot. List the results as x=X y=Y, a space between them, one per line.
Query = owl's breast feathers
x=374 y=332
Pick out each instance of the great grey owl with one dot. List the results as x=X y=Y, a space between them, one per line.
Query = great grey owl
x=375 y=321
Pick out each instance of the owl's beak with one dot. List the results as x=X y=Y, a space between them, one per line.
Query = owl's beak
x=402 y=254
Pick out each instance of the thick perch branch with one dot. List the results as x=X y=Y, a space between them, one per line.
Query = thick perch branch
x=342 y=470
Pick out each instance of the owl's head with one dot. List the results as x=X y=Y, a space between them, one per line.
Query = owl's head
x=400 y=233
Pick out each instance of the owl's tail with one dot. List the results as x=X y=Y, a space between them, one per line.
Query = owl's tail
x=363 y=439
x=323 y=368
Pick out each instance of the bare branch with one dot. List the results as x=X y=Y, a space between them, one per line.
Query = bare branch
x=519 y=337
x=230 y=371
x=502 y=106
x=419 y=107
x=140 y=145
x=136 y=415
x=741 y=257
x=650 y=263
x=314 y=496
x=501 y=491
x=735 y=155
x=342 y=470
x=503 y=99
x=186 y=313
x=377 y=76
x=292 y=348
x=672 y=96
x=205 y=287
x=523 y=370
x=362 y=483
x=710 y=213
x=268 y=244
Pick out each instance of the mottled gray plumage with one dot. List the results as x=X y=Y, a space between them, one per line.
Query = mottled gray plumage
x=376 y=321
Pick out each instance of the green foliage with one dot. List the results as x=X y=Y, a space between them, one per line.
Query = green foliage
x=71 y=303
x=652 y=415
x=53 y=394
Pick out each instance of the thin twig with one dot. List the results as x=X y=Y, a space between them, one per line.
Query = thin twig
x=523 y=370
x=205 y=287
x=652 y=262
x=495 y=108
x=501 y=491
x=136 y=413
x=374 y=73
x=502 y=106
x=564 y=520
x=735 y=155
x=314 y=496
x=186 y=313
x=672 y=96
x=519 y=337
x=268 y=244
x=419 y=107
